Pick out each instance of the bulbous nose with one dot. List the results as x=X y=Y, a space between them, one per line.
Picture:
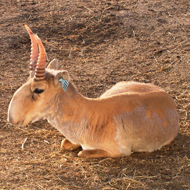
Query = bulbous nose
x=12 y=116
x=11 y=120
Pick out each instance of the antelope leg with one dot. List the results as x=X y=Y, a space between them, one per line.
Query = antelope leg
x=67 y=145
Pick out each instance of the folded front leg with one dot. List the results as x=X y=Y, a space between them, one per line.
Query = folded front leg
x=95 y=153
x=67 y=145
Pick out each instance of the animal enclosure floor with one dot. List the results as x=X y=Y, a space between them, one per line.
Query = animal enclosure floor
x=99 y=43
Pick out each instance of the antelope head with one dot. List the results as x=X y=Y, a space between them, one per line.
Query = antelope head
x=33 y=99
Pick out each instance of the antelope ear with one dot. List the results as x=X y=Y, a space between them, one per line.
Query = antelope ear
x=53 y=64
x=63 y=74
x=31 y=74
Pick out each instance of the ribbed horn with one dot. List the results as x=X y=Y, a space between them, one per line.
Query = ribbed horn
x=41 y=64
x=34 y=49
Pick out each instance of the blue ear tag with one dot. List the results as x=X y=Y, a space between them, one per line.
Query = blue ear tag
x=64 y=83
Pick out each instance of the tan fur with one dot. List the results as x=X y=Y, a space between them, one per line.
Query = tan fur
x=128 y=117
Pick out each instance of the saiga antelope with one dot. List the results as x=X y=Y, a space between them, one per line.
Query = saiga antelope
x=129 y=117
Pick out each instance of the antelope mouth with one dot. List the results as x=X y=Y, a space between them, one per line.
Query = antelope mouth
x=17 y=123
x=21 y=124
x=24 y=122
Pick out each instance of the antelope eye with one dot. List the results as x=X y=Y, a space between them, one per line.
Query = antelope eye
x=38 y=91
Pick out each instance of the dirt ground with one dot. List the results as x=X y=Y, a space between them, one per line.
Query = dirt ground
x=99 y=43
